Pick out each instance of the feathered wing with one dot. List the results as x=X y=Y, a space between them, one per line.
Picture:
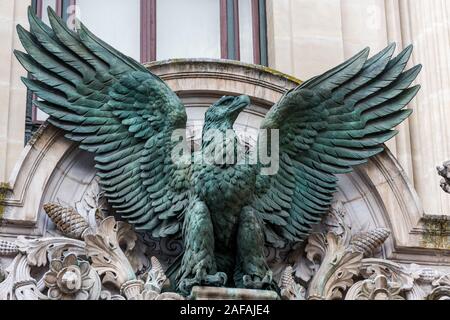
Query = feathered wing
x=326 y=126
x=115 y=108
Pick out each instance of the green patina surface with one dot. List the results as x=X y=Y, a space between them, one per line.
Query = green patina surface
x=225 y=212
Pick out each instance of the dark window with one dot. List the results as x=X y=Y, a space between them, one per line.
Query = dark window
x=227 y=29
x=35 y=117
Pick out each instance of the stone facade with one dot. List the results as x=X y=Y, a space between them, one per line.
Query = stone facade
x=13 y=93
x=309 y=37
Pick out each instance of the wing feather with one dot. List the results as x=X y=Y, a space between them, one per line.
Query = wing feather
x=328 y=125
x=115 y=108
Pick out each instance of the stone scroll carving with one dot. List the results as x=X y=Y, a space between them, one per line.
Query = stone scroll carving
x=337 y=265
x=103 y=259
x=94 y=259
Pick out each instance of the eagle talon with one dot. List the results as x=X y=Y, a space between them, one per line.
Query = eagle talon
x=202 y=279
x=255 y=281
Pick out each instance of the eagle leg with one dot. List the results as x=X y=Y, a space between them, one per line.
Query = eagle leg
x=198 y=266
x=252 y=271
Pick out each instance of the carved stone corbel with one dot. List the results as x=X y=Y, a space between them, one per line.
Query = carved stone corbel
x=340 y=265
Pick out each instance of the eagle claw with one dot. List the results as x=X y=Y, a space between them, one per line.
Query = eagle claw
x=202 y=279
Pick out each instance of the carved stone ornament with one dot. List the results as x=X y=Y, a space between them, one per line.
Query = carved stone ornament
x=337 y=264
x=72 y=279
x=378 y=288
x=87 y=262
x=444 y=172
x=338 y=257
x=441 y=289
x=290 y=290
x=108 y=263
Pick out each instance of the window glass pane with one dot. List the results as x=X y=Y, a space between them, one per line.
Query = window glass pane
x=44 y=13
x=40 y=115
x=246 y=30
x=188 y=29
x=116 y=22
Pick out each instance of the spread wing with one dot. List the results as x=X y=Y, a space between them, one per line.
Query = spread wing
x=326 y=126
x=115 y=108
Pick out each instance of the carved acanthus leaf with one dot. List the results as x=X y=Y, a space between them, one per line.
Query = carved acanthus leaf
x=378 y=288
x=395 y=272
x=40 y=251
x=19 y=285
x=93 y=206
x=338 y=267
x=441 y=289
x=316 y=248
x=107 y=257
x=339 y=255
x=134 y=248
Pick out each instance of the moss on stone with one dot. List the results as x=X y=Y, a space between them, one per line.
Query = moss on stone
x=281 y=74
x=436 y=232
x=274 y=72
x=5 y=188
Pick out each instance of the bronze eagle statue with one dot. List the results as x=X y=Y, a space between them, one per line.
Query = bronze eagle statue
x=225 y=213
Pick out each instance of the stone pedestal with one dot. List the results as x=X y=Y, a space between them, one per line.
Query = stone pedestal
x=212 y=293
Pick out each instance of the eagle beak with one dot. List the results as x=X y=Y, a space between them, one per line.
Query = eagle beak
x=240 y=104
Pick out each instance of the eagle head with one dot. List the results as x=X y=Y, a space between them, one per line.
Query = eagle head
x=223 y=113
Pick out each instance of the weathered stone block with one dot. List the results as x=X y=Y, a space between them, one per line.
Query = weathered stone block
x=212 y=293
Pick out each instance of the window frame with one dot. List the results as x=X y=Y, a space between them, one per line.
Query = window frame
x=32 y=123
x=229 y=30
x=61 y=7
x=229 y=37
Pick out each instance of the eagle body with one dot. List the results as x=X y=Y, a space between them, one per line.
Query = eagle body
x=225 y=212
x=225 y=190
